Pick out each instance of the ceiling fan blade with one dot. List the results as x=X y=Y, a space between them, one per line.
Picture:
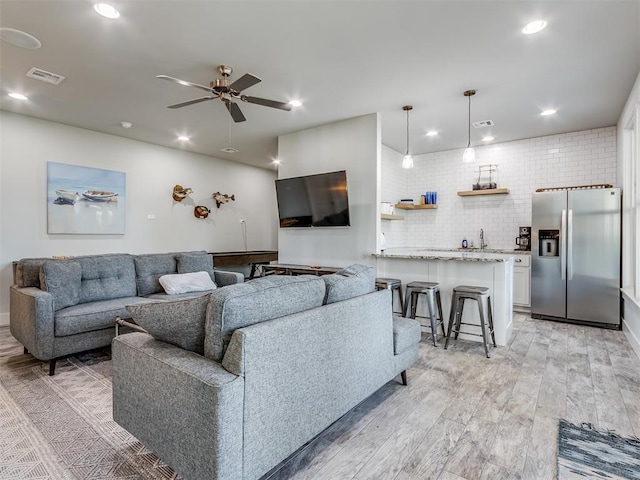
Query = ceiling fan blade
x=190 y=102
x=184 y=82
x=244 y=82
x=235 y=111
x=267 y=103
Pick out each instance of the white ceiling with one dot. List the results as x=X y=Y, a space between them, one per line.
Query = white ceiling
x=341 y=58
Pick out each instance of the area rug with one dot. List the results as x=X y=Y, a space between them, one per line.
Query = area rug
x=61 y=427
x=584 y=452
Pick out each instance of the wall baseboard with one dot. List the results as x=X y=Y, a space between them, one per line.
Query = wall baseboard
x=4 y=319
x=633 y=340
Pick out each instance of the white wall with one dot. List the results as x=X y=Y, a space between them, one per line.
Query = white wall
x=578 y=158
x=151 y=172
x=352 y=145
x=393 y=188
x=628 y=174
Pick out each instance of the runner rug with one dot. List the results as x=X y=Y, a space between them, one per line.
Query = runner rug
x=61 y=427
x=585 y=453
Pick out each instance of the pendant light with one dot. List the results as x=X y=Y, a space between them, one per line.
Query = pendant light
x=469 y=155
x=407 y=160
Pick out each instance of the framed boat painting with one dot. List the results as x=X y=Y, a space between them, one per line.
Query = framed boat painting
x=85 y=200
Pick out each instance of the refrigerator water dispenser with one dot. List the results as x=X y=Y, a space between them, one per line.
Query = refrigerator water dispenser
x=548 y=243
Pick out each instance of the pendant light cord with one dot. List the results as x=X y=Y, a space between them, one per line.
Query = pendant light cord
x=407 y=132
x=469 y=125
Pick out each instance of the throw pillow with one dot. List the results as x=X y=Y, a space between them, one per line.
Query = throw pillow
x=178 y=322
x=186 y=282
x=196 y=262
x=62 y=279
x=349 y=282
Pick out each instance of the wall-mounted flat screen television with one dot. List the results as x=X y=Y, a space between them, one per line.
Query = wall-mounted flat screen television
x=313 y=200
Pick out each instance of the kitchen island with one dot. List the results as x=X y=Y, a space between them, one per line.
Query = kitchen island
x=451 y=268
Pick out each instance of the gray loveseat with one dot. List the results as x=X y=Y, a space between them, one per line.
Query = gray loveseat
x=62 y=307
x=228 y=385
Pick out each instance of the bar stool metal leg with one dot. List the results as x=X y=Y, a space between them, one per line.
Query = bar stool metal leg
x=400 y=299
x=452 y=318
x=460 y=309
x=439 y=303
x=493 y=335
x=482 y=303
x=433 y=318
x=414 y=304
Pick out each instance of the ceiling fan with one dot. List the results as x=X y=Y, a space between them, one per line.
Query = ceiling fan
x=222 y=89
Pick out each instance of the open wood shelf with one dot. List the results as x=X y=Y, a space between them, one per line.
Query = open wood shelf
x=490 y=191
x=410 y=206
x=386 y=216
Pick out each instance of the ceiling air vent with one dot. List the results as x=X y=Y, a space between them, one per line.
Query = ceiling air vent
x=229 y=150
x=45 y=76
x=482 y=124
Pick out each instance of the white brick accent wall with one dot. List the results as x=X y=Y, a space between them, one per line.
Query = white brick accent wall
x=577 y=158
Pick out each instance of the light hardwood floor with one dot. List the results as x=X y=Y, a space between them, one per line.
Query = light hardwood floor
x=464 y=416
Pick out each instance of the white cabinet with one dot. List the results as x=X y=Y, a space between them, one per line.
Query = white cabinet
x=522 y=280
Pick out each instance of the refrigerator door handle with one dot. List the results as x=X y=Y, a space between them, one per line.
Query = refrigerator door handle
x=563 y=245
x=570 y=244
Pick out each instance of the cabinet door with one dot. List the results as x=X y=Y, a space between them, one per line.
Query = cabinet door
x=522 y=286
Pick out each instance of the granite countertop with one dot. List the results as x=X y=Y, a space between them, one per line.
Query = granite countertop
x=459 y=254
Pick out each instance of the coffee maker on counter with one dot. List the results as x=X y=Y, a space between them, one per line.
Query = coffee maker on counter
x=523 y=240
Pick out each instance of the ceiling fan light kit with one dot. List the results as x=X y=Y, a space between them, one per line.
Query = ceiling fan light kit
x=407 y=160
x=228 y=92
x=469 y=155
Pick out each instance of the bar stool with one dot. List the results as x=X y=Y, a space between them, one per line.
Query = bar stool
x=482 y=295
x=432 y=291
x=395 y=285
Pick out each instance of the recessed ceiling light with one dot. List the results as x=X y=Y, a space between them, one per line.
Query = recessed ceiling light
x=534 y=27
x=295 y=103
x=488 y=138
x=276 y=161
x=551 y=111
x=18 y=96
x=432 y=133
x=126 y=124
x=229 y=150
x=106 y=10
x=183 y=138
x=18 y=38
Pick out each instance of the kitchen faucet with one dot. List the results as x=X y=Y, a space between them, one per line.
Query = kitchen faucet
x=482 y=244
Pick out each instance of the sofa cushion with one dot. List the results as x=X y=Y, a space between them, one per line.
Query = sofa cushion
x=28 y=272
x=191 y=262
x=406 y=334
x=177 y=283
x=244 y=304
x=87 y=317
x=149 y=269
x=349 y=282
x=62 y=279
x=107 y=276
x=179 y=322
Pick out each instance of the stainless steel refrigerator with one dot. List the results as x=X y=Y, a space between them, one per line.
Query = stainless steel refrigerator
x=575 y=256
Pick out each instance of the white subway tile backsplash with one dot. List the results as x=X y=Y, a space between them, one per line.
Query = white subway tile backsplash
x=578 y=158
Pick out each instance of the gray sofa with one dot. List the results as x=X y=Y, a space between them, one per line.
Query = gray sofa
x=228 y=385
x=62 y=307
